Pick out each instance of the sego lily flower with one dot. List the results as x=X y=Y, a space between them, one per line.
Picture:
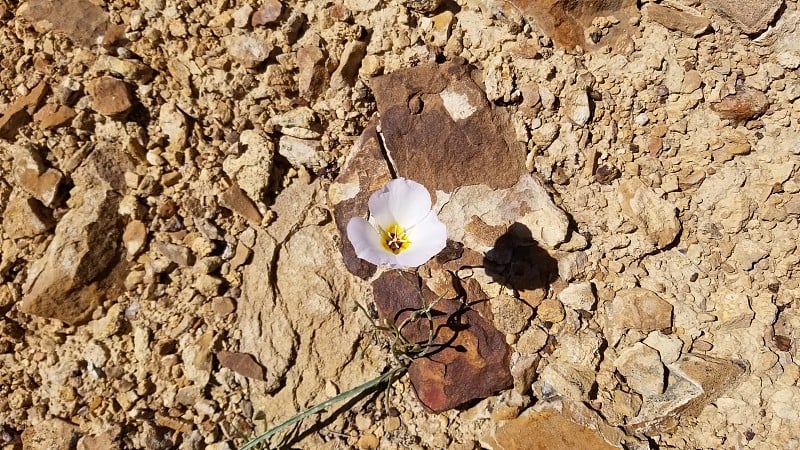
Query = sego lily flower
x=402 y=231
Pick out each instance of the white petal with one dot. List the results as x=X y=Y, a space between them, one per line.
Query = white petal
x=401 y=201
x=427 y=238
x=366 y=241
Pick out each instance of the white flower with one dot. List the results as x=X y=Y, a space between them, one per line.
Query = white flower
x=402 y=230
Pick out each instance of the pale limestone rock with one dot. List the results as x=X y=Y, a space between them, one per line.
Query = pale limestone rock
x=248 y=50
x=25 y=217
x=252 y=167
x=300 y=152
x=747 y=253
x=578 y=296
x=669 y=346
x=571 y=265
x=174 y=125
x=566 y=380
x=510 y=315
x=636 y=308
x=578 y=109
x=642 y=368
x=478 y=215
x=197 y=360
x=655 y=217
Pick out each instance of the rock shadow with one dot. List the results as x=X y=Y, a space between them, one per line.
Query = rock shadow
x=518 y=262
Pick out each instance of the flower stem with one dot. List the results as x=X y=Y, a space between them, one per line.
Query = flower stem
x=388 y=376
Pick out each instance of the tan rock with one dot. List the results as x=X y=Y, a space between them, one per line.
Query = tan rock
x=568 y=23
x=677 y=20
x=578 y=296
x=349 y=62
x=639 y=309
x=30 y=174
x=80 y=20
x=197 y=360
x=50 y=434
x=60 y=285
x=111 y=97
x=550 y=310
x=546 y=429
x=752 y=16
x=251 y=165
x=26 y=217
x=655 y=217
x=641 y=366
x=300 y=152
x=237 y=201
x=268 y=12
x=510 y=315
x=248 y=50
x=134 y=237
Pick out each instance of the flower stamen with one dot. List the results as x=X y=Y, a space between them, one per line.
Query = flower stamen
x=395 y=239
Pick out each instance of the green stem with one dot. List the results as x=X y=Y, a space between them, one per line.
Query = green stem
x=388 y=376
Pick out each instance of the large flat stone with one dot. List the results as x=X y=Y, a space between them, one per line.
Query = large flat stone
x=471 y=358
x=440 y=130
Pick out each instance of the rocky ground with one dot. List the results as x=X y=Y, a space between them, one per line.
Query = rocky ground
x=620 y=182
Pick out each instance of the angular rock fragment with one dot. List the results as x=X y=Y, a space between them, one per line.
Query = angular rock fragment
x=752 y=16
x=29 y=172
x=250 y=165
x=471 y=360
x=478 y=215
x=20 y=111
x=578 y=296
x=639 y=309
x=693 y=382
x=743 y=105
x=345 y=74
x=248 y=50
x=134 y=237
x=641 y=366
x=53 y=116
x=111 y=97
x=83 y=248
x=268 y=12
x=313 y=74
x=50 y=434
x=546 y=430
x=80 y=20
x=569 y=23
x=677 y=20
x=241 y=363
x=653 y=215
x=26 y=217
x=364 y=172
x=300 y=152
x=578 y=108
x=440 y=130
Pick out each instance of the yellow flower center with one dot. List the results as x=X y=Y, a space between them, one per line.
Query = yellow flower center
x=394 y=239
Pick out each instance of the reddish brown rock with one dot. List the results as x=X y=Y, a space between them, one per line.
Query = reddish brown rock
x=364 y=172
x=30 y=173
x=349 y=62
x=440 y=130
x=674 y=19
x=743 y=105
x=752 y=16
x=20 y=111
x=111 y=97
x=469 y=358
x=241 y=363
x=313 y=74
x=237 y=201
x=268 y=12
x=53 y=116
x=80 y=20
x=567 y=21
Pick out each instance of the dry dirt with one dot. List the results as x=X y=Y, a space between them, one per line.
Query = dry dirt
x=172 y=271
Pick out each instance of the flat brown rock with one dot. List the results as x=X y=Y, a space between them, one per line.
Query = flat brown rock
x=440 y=130
x=111 y=97
x=547 y=430
x=241 y=363
x=674 y=19
x=471 y=358
x=53 y=116
x=20 y=112
x=743 y=105
x=80 y=20
x=752 y=16
x=567 y=22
